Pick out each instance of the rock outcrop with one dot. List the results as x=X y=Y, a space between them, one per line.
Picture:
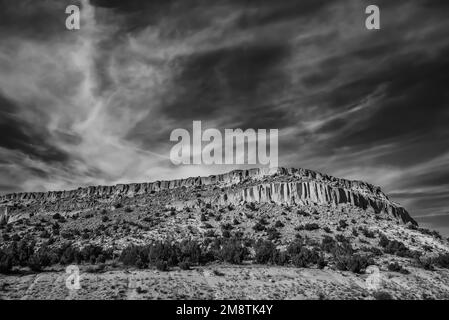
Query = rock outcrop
x=277 y=185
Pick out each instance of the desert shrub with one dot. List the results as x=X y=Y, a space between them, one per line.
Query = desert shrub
x=235 y=221
x=118 y=205
x=209 y=233
x=367 y=233
x=328 y=244
x=15 y=237
x=396 y=267
x=251 y=206
x=161 y=265
x=321 y=263
x=374 y=250
x=341 y=238
x=6 y=261
x=226 y=234
x=396 y=247
x=311 y=226
x=104 y=219
x=56 y=216
x=295 y=246
x=134 y=255
x=344 y=256
x=383 y=241
x=278 y=224
x=22 y=251
x=43 y=257
x=35 y=263
x=164 y=251
x=184 y=265
x=258 y=227
x=305 y=257
x=249 y=215
x=190 y=251
x=303 y=213
x=233 y=251
x=148 y=219
x=247 y=242
x=227 y=226
x=69 y=254
x=281 y=258
x=354 y=263
x=67 y=234
x=265 y=252
x=382 y=295
x=95 y=254
x=342 y=224
x=273 y=234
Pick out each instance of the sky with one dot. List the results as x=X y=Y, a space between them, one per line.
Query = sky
x=96 y=106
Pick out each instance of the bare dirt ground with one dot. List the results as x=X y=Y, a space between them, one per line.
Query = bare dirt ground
x=226 y=282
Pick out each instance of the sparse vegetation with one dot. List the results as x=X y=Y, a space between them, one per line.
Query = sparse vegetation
x=265 y=252
x=278 y=224
x=382 y=295
x=367 y=233
x=396 y=247
x=396 y=267
x=342 y=224
x=311 y=226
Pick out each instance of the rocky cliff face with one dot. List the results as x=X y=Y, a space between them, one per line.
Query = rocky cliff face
x=277 y=185
x=314 y=193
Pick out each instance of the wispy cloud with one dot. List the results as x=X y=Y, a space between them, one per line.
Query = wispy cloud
x=96 y=106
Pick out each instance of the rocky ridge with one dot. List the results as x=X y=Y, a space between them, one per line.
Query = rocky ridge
x=264 y=185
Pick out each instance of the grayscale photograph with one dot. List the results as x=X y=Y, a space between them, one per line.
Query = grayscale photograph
x=247 y=152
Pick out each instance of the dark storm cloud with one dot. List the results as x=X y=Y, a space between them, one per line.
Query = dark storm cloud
x=414 y=93
x=33 y=19
x=97 y=106
x=23 y=136
x=230 y=81
x=269 y=12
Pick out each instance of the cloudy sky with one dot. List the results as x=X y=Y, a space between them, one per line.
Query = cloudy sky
x=97 y=105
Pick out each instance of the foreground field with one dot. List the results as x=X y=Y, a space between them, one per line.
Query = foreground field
x=226 y=282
